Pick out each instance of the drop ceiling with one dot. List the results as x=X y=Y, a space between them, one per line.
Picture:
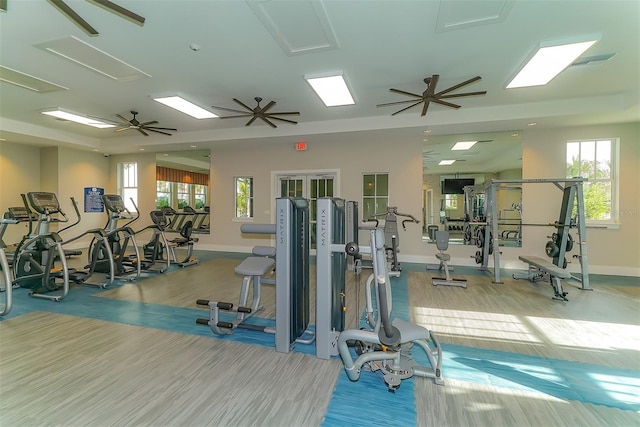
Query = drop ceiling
x=213 y=51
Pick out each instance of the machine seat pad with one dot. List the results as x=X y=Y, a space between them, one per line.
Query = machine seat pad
x=255 y=266
x=443 y=257
x=544 y=265
x=409 y=331
x=269 y=251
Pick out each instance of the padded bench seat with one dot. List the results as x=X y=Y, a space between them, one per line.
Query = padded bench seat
x=255 y=266
x=545 y=265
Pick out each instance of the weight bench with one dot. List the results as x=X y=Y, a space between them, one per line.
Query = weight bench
x=539 y=269
x=442 y=243
x=252 y=268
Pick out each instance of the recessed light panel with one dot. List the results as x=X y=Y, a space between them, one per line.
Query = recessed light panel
x=331 y=89
x=463 y=145
x=184 y=106
x=547 y=63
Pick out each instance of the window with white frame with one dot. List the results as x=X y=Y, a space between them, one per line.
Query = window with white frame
x=178 y=195
x=200 y=195
x=596 y=160
x=375 y=194
x=244 y=196
x=451 y=201
x=128 y=183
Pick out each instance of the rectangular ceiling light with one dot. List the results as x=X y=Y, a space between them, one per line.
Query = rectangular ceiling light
x=332 y=89
x=463 y=145
x=78 y=118
x=446 y=162
x=547 y=63
x=186 y=107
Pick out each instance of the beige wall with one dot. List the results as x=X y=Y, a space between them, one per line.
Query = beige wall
x=19 y=173
x=614 y=250
x=610 y=251
x=352 y=157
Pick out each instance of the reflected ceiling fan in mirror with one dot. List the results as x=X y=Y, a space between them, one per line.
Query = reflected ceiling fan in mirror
x=259 y=113
x=142 y=127
x=430 y=95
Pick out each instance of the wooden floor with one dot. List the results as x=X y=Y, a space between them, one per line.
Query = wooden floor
x=66 y=370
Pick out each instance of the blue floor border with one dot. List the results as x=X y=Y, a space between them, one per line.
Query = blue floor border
x=367 y=401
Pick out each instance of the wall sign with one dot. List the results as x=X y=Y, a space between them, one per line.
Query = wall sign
x=93 y=199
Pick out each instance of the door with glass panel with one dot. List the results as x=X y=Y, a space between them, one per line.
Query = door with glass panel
x=311 y=187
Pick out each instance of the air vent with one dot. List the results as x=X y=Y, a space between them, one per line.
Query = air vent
x=592 y=60
x=84 y=54
x=28 y=82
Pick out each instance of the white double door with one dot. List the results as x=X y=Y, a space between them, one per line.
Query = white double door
x=311 y=186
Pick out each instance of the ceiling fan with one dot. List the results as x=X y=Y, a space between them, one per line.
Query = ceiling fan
x=430 y=95
x=77 y=19
x=142 y=127
x=259 y=113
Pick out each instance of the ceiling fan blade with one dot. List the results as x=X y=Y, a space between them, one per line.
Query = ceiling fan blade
x=142 y=132
x=268 y=106
x=283 y=120
x=255 y=116
x=285 y=113
x=123 y=129
x=458 y=86
x=237 y=101
x=457 y=95
x=159 y=131
x=405 y=93
x=71 y=14
x=235 y=117
x=397 y=102
x=119 y=10
x=267 y=121
x=448 y=104
x=406 y=108
x=156 y=128
x=229 y=109
x=152 y=122
x=425 y=107
x=123 y=119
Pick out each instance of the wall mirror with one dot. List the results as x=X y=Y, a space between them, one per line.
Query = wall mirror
x=477 y=158
x=182 y=187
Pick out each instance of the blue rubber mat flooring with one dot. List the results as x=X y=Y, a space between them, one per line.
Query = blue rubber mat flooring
x=367 y=401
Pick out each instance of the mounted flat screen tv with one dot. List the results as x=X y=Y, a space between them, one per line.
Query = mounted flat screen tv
x=456 y=186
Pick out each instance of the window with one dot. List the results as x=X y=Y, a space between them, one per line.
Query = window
x=451 y=201
x=183 y=194
x=200 y=195
x=375 y=194
x=163 y=194
x=596 y=161
x=244 y=196
x=128 y=184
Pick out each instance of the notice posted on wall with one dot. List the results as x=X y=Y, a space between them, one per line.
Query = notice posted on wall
x=93 y=199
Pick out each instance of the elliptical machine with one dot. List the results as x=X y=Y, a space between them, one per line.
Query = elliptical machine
x=34 y=260
x=119 y=238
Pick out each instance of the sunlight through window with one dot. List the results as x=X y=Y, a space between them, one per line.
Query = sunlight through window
x=587 y=334
x=476 y=324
